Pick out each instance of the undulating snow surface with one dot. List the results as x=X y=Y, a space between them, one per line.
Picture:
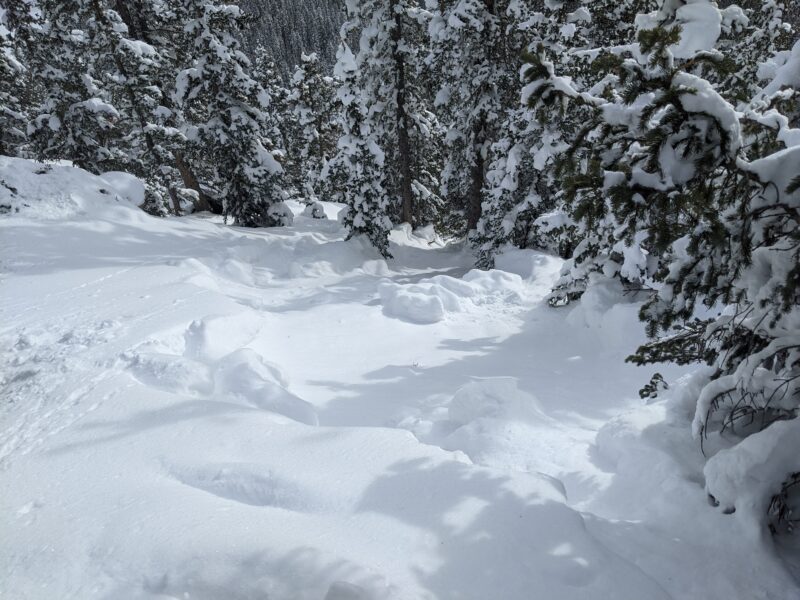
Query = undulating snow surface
x=191 y=410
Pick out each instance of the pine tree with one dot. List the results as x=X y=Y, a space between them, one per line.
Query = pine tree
x=16 y=33
x=291 y=28
x=521 y=202
x=224 y=109
x=149 y=84
x=391 y=46
x=279 y=117
x=475 y=48
x=76 y=119
x=313 y=131
x=132 y=72
x=673 y=191
x=629 y=181
x=361 y=163
x=744 y=255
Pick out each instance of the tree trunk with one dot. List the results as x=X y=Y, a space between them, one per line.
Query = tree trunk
x=403 y=144
x=190 y=181
x=476 y=176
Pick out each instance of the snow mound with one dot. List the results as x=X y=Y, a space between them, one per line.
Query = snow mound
x=60 y=191
x=493 y=398
x=315 y=210
x=606 y=309
x=744 y=478
x=430 y=300
x=245 y=375
x=213 y=337
x=496 y=424
x=128 y=186
x=202 y=370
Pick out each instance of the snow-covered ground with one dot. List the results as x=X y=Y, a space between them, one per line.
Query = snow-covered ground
x=191 y=410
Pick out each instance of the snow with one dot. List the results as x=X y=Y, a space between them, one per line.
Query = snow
x=430 y=300
x=192 y=410
x=63 y=192
x=128 y=187
x=702 y=98
x=701 y=25
x=744 y=478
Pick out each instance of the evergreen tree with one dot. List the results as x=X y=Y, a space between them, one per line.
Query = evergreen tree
x=76 y=119
x=279 y=117
x=522 y=204
x=224 y=109
x=313 y=133
x=16 y=32
x=149 y=84
x=132 y=72
x=290 y=28
x=628 y=172
x=673 y=192
x=361 y=162
x=744 y=255
x=475 y=49
x=391 y=38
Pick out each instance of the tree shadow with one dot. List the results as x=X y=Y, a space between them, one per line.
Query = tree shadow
x=103 y=432
x=493 y=537
x=51 y=248
x=539 y=356
x=670 y=527
x=301 y=574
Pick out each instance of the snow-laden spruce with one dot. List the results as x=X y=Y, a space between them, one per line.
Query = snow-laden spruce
x=15 y=38
x=386 y=73
x=312 y=130
x=224 y=110
x=475 y=47
x=681 y=190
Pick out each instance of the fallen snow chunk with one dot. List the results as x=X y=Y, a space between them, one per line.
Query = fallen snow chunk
x=495 y=397
x=213 y=337
x=128 y=186
x=245 y=375
x=744 y=478
x=413 y=303
x=430 y=300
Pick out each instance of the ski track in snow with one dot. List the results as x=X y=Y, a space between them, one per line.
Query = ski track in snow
x=196 y=411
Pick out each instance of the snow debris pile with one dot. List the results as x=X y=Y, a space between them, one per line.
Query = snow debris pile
x=745 y=478
x=184 y=417
x=430 y=300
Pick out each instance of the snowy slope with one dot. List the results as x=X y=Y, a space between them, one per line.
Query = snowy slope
x=190 y=410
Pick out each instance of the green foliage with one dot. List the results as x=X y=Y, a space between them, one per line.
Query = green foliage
x=651 y=389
